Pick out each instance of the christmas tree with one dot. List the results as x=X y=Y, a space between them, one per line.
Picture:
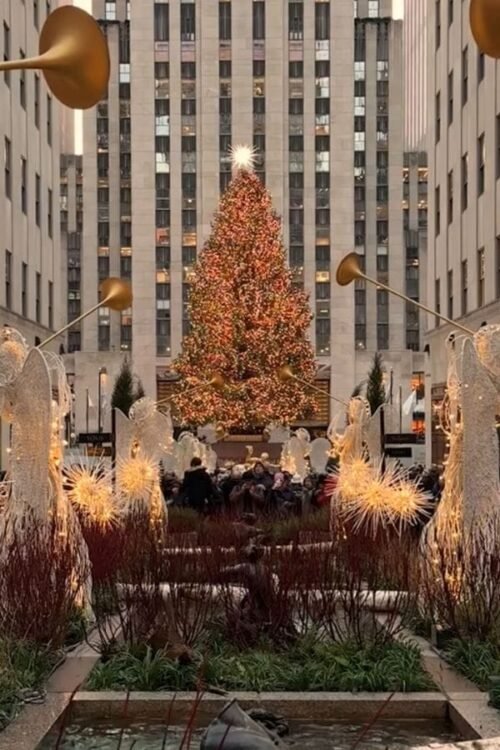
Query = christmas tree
x=247 y=319
x=375 y=389
x=125 y=392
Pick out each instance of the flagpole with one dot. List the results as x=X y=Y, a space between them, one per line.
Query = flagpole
x=87 y=412
x=400 y=409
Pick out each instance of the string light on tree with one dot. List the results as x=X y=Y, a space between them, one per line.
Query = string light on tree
x=247 y=318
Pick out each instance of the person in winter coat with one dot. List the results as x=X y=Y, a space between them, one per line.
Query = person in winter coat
x=197 y=487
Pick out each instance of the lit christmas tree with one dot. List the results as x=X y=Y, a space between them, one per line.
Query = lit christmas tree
x=247 y=319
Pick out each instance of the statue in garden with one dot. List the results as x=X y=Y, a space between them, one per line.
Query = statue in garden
x=234 y=729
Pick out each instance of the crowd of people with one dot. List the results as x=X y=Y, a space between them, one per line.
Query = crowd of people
x=239 y=490
x=261 y=491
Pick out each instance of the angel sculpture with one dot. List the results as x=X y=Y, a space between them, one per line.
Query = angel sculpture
x=36 y=496
x=142 y=440
x=188 y=447
x=295 y=452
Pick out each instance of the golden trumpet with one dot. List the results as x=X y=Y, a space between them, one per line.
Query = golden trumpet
x=285 y=374
x=485 y=26
x=349 y=270
x=73 y=56
x=116 y=295
x=217 y=382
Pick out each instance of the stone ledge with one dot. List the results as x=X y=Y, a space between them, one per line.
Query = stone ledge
x=299 y=706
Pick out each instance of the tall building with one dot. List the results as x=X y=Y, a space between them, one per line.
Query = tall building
x=387 y=218
x=30 y=259
x=415 y=74
x=190 y=79
x=315 y=92
x=464 y=167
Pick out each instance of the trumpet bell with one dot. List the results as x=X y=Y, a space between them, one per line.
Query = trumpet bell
x=285 y=374
x=218 y=381
x=348 y=270
x=485 y=26
x=74 y=57
x=116 y=294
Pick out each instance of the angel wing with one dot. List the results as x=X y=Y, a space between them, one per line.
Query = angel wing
x=320 y=452
x=30 y=408
x=480 y=439
x=124 y=435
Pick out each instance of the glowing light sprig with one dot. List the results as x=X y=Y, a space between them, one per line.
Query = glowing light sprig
x=90 y=490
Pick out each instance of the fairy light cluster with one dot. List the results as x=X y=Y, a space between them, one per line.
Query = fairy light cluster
x=372 y=498
x=90 y=491
x=247 y=318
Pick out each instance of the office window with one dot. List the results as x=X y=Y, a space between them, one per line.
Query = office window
x=24 y=186
x=497 y=265
x=438 y=23
x=24 y=290
x=295 y=20
x=480 y=66
x=450 y=197
x=497 y=137
x=481 y=159
x=465 y=181
x=450 y=295
x=438 y=117
x=322 y=21
x=188 y=22
x=8 y=167
x=35 y=13
x=465 y=75
x=6 y=50
x=480 y=277
x=49 y=120
x=110 y=10
x=38 y=296
x=224 y=20
x=437 y=300
x=22 y=83
x=37 y=100
x=450 y=98
x=259 y=20
x=161 y=22
x=373 y=8
x=49 y=212
x=437 y=210
x=8 y=279
x=51 y=304
x=465 y=284
x=382 y=319
x=450 y=12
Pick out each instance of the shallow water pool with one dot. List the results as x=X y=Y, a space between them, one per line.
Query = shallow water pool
x=395 y=736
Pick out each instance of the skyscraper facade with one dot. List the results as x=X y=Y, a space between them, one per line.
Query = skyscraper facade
x=30 y=259
x=464 y=168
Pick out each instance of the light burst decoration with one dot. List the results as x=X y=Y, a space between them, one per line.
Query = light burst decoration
x=90 y=490
x=136 y=477
x=371 y=498
x=243 y=157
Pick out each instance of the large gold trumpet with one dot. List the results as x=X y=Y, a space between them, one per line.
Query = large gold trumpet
x=285 y=374
x=116 y=295
x=349 y=270
x=73 y=56
x=485 y=26
x=217 y=382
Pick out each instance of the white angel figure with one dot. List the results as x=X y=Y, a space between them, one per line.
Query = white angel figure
x=352 y=443
x=319 y=455
x=141 y=441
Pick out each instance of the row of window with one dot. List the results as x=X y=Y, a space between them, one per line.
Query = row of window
x=24 y=292
x=24 y=188
x=451 y=311
x=451 y=91
x=188 y=21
